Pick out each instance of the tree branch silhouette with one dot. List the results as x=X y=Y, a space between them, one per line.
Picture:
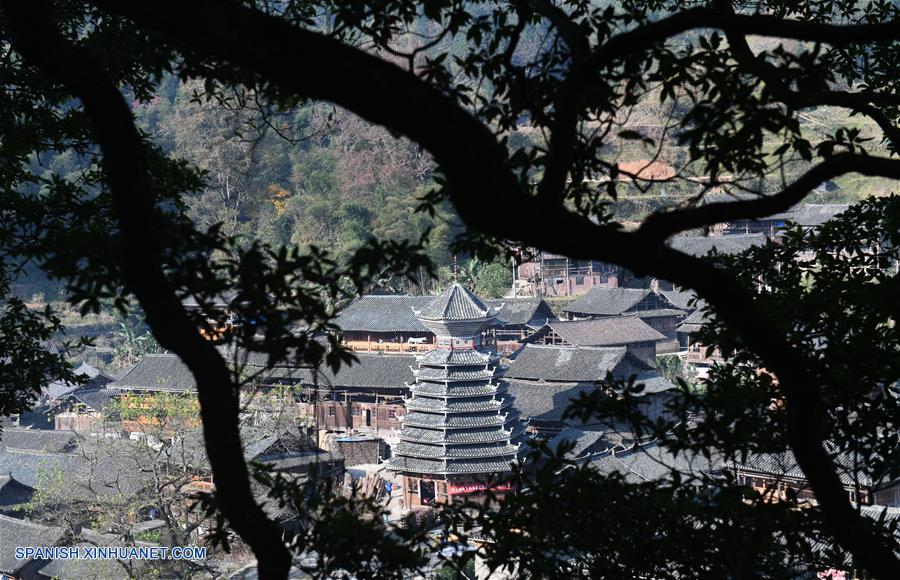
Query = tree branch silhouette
x=133 y=196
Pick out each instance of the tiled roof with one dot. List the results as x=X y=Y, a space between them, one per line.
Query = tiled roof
x=375 y=370
x=465 y=436
x=544 y=401
x=521 y=311
x=456 y=303
x=727 y=244
x=653 y=382
x=454 y=451
x=298 y=459
x=608 y=301
x=682 y=299
x=157 y=372
x=609 y=331
x=566 y=363
x=13 y=492
x=371 y=370
x=480 y=405
x=395 y=313
x=451 y=467
x=652 y=462
x=30 y=468
x=99 y=467
x=695 y=320
x=428 y=420
x=37 y=440
x=373 y=313
x=582 y=441
x=452 y=390
x=96 y=399
x=452 y=374
x=784 y=465
x=816 y=214
x=441 y=357
x=658 y=312
x=94 y=377
x=15 y=532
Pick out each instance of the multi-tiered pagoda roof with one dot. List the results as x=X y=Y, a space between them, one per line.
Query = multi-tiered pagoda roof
x=460 y=420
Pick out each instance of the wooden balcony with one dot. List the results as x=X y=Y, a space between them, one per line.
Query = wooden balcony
x=389 y=347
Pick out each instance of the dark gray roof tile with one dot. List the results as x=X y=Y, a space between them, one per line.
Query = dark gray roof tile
x=456 y=303
x=521 y=311
x=445 y=357
x=545 y=401
x=785 y=465
x=15 y=532
x=566 y=363
x=157 y=372
x=38 y=441
x=609 y=331
x=608 y=301
x=480 y=405
x=727 y=244
x=583 y=441
x=373 y=313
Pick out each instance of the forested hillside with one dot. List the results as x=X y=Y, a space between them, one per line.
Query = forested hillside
x=315 y=174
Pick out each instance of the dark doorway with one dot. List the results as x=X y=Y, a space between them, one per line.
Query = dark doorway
x=368 y=417
x=426 y=492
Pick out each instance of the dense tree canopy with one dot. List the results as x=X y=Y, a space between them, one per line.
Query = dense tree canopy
x=530 y=111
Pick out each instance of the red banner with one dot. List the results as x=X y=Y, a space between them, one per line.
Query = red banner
x=476 y=487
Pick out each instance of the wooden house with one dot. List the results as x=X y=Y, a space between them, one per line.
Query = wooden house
x=546 y=379
x=556 y=275
x=777 y=474
x=807 y=215
x=651 y=306
x=631 y=332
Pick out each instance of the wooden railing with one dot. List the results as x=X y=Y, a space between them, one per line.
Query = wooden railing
x=375 y=346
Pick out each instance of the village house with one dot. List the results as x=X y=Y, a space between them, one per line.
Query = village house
x=651 y=306
x=550 y=274
x=366 y=395
x=638 y=337
x=775 y=475
x=807 y=215
x=57 y=397
x=694 y=351
x=155 y=373
x=546 y=379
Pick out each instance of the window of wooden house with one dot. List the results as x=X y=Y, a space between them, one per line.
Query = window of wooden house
x=331 y=411
x=392 y=414
x=355 y=411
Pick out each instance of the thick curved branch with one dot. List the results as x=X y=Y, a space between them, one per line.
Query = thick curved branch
x=660 y=226
x=482 y=187
x=572 y=92
x=779 y=85
x=647 y=35
x=125 y=164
